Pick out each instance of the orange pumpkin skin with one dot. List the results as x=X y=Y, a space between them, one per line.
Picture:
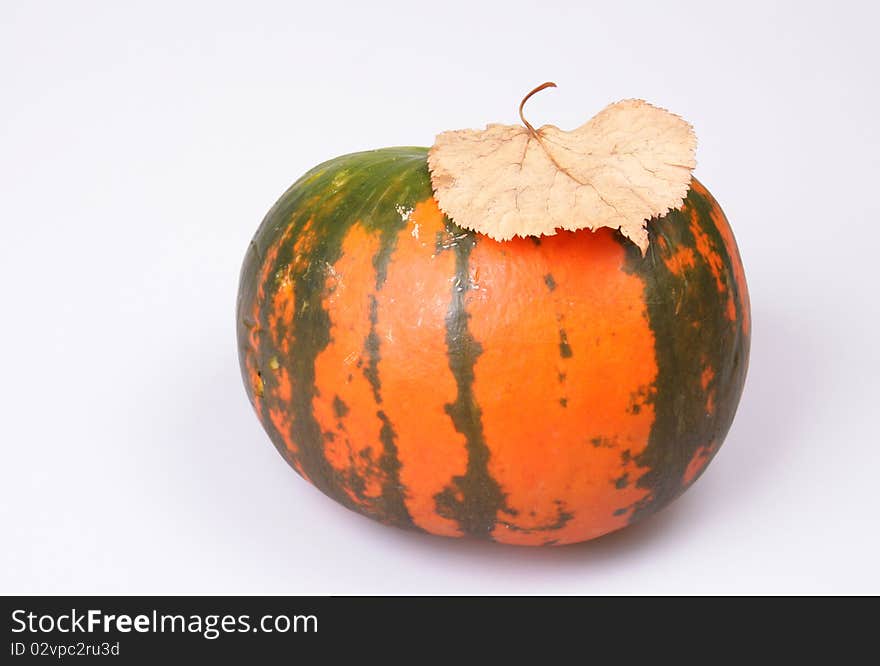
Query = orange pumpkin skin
x=535 y=391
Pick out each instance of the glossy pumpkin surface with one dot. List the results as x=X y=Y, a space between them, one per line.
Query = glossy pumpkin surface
x=534 y=391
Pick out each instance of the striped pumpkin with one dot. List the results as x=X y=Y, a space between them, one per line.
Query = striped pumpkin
x=536 y=391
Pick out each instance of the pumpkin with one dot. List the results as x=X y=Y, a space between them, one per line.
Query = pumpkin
x=535 y=391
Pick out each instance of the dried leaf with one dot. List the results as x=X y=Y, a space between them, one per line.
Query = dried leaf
x=630 y=162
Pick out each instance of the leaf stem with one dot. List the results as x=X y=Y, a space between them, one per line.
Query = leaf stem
x=548 y=84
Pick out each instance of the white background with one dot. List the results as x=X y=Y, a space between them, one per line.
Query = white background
x=140 y=146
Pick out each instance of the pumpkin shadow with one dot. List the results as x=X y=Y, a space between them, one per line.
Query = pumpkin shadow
x=212 y=413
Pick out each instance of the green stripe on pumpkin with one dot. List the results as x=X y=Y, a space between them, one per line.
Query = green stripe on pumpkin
x=473 y=499
x=362 y=188
x=692 y=333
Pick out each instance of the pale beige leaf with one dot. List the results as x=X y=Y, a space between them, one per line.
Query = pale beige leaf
x=629 y=163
